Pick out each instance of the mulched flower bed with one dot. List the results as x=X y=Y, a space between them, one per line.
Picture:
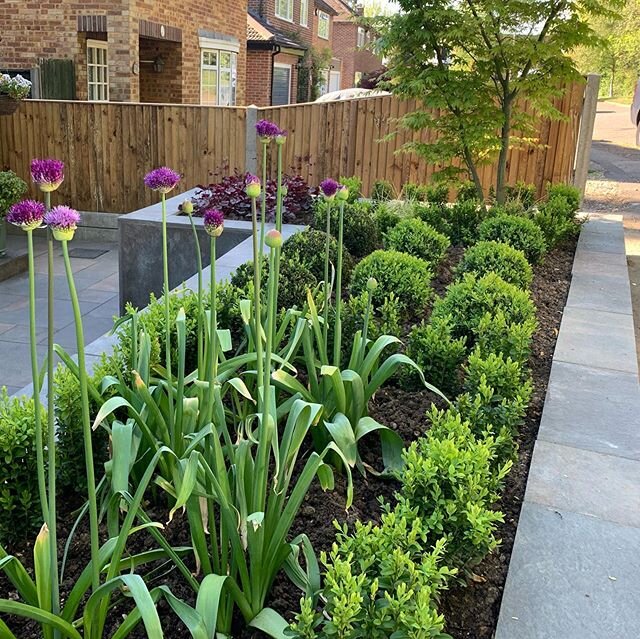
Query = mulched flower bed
x=472 y=610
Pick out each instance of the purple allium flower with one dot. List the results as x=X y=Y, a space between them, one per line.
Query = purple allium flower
x=329 y=188
x=163 y=179
x=47 y=174
x=267 y=130
x=62 y=220
x=252 y=186
x=213 y=222
x=28 y=214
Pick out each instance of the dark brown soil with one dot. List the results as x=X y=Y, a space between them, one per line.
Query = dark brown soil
x=471 y=611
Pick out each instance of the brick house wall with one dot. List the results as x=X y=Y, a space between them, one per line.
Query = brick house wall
x=267 y=10
x=49 y=29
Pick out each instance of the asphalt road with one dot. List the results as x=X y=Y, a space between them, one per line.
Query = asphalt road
x=614 y=185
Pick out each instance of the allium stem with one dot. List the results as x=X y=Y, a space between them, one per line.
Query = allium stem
x=279 y=228
x=257 y=272
x=167 y=309
x=337 y=336
x=365 y=328
x=213 y=329
x=35 y=376
x=86 y=422
x=51 y=432
x=325 y=310
x=200 y=306
x=263 y=198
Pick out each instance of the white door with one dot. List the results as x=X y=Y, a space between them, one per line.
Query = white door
x=334 y=81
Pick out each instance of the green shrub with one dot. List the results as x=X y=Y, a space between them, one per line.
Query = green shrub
x=494 y=334
x=467 y=192
x=556 y=219
x=68 y=413
x=504 y=260
x=519 y=232
x=406 y=276
x=437 y=193
x=20 y=514
x=381 y=581
x=510 y=207
x=468 y=300
x=435 y=215
x=12 y=188
x=521 y=192
x=449 y=478
x=360 y=229
x=294 y=280
x=567 y=192
x=382 y=191
x=459 y=222
x=308 y=248
x=417 y=238
x=414 y=192
x=439 y=355
x=354 y=184
x=387 y=216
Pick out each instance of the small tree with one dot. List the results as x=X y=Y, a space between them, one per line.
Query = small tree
x=470 y=61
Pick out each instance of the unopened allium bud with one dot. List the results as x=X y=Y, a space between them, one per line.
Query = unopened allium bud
x=273 y=239
x=343 y=193
x=281 y=138
x=285 y=190
x=372 y=284
x=187 y=207
x=252 y=188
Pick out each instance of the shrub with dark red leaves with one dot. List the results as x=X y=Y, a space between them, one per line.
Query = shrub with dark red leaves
x=229 y=196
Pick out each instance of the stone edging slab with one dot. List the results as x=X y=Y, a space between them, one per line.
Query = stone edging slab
x=575 y=566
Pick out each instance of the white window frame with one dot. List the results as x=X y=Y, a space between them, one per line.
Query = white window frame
x=289 y=10
x=231 y=50
x=362 y=37
x=102 y=45
x=282 y=65
x=304 y=13
x=324 y=18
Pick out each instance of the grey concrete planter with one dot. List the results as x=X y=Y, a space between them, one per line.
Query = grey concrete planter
x=140 y=249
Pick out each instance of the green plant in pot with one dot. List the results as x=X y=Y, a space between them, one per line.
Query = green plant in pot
x=12 y=188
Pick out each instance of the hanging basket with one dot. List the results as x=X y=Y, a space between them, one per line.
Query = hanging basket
x=8 y=105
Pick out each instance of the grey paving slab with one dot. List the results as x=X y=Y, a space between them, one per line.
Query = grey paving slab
x=15 y=362
x=592 y=408
x=597 y=339
x=594 y=262
x=610 y=226
x=604 y=291
x=5 y=327
x=601 y=242
x=592 y=484
x=11 y=390
x=574 y=577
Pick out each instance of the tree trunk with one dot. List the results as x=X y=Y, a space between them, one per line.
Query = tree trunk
x=504 y=151
x=473 y=172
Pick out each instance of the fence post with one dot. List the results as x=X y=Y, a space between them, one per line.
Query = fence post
x=251 y=148
x=585 y=134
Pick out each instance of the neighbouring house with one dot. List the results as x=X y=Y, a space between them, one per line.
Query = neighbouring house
x=289 y=51
x=174 y=51
x=350 y=39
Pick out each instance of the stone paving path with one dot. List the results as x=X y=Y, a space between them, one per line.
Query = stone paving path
x=97 y=284
x=575 y=567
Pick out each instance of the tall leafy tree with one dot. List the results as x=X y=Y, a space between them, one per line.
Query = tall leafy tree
x=470 y=62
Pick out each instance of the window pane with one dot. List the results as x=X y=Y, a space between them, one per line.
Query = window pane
x=225 y=60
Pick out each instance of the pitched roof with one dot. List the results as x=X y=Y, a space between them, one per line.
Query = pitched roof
x=259 y=30
x=326 y=7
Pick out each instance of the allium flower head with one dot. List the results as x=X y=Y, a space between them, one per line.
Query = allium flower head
x=213 y=222
x=63 y=221
x=267 y=130
x=28 y=214
x=252 y=187
x=343 y=193
x=47 y=174
x=273 y=239
x=329 y=188
x=162 y=180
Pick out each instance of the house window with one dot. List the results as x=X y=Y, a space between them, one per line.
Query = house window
x=323 y=25
x=284 y=9
x=97 y=71
x=218 y=78
x=362 y=37
x=304 y=13
x=281 y=90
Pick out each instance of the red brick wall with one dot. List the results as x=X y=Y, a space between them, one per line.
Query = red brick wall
x=267 y=10
x=259 y=78
x=345 y=46
x=165 y=87
x=30 y=30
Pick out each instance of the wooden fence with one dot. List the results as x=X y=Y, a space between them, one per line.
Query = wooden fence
x=109 y=147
